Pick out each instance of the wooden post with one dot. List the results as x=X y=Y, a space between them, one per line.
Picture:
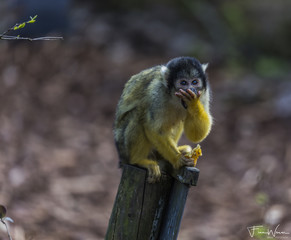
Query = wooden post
x=144 y=211
x=184 y=178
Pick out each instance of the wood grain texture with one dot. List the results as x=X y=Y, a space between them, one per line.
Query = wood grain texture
x=144 y=211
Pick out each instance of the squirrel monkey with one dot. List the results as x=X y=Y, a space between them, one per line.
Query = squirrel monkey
x=157 y=105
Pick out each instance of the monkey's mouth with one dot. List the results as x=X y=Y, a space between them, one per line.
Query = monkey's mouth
x=194 y=90
x=183 y=104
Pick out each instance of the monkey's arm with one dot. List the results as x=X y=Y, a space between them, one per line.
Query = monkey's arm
x=198 y=122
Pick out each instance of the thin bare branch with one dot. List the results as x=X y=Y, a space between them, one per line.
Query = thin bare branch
x=17 y=26
x=8 y=37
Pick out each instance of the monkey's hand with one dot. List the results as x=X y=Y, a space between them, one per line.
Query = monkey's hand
x=184 y=161
x=185 y=150
x=195 y=154
x=188 y=95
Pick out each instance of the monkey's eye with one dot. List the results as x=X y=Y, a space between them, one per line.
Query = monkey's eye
x=195 y=82
x=183 y=82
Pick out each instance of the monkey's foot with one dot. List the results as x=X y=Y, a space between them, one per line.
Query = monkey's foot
x=185 y=161
x=154 y=173
x=153 y=169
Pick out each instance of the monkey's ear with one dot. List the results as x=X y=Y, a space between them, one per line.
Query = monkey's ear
x=164 y=70
x=165 y=73
x=204 y=66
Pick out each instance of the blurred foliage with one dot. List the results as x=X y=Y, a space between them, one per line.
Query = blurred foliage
x=262 y=199
x=235 y=16
x=271 y=67
x=239 y=32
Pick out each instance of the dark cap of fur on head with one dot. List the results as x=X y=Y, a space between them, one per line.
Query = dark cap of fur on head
x=181 y=67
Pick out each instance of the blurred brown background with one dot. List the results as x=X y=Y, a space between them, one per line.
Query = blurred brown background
x=58 y=164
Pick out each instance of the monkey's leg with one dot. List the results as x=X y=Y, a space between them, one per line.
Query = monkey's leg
x=176 y=134
x=139 y=156
x=167 y=147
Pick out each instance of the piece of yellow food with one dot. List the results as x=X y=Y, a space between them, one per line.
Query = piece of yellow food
x=195 y=154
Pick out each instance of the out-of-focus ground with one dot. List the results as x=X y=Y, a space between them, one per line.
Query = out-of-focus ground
x=58 y=163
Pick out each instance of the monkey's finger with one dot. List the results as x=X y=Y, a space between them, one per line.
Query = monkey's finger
x=187 y=162
x=185 y=94
x=154 y=174
x=179 y=95
x=190 y=163
x=184 y=98
x=192 y=94
x=151 y=179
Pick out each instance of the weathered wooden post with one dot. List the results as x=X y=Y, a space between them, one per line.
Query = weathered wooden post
x=144 y=211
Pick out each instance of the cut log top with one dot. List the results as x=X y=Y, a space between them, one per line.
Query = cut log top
x=186 y=175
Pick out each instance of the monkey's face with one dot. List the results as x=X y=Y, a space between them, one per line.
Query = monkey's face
x=188 y=89
x=186 y=73
x=193 y=84
x=186 y=78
